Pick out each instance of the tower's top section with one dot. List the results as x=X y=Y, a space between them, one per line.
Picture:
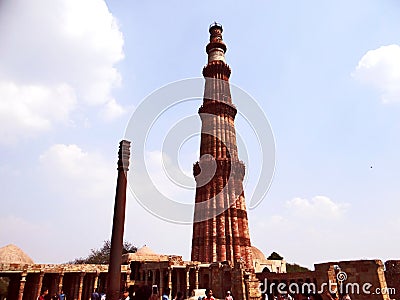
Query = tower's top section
x=215 y=32
x=216 y=48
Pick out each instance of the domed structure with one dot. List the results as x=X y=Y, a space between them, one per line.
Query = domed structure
x=257 y=254
x=145 y=250
x=262 y=264
x=144 y=254
x=12 y=254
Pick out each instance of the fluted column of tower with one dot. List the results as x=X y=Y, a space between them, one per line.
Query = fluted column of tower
x=220 y=227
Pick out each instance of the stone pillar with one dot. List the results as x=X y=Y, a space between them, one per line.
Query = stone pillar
x=39 y=284
x=170 y=278
x=146 y=275
x=153 y=277
x=81 y=277
x=76 y=287
x=178 y=280
x=128 y=278
x=114 y=269
x=196 y=283
x=60 y=282
x=106 y=283
x=187 y=281
x=22 y=285
x=246 y=285
x=161 y=281
x=96 y=281
x=210 y=277
x=253 y=287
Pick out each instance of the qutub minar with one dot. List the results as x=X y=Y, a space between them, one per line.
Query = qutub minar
x=220 y=228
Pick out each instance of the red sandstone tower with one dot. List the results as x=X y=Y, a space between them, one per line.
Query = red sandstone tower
x=220 y=227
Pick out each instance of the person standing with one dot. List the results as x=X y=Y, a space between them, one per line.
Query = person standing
x=179 y=296
x=95 y=295
x=209 y=294
x=165 y=295
x=154 y=293
x=228 y=296
x=125 y=295
x=62 y=296
x=102 y=295
x=43 y=294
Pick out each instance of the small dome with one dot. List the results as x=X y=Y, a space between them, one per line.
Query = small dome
x=145 y=251
x=257 y=254
x=12 y=254
x=144 y=254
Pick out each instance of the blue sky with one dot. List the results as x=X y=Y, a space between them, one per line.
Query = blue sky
x=325 y=73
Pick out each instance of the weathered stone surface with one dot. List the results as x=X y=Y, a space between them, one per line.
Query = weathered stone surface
x=13 y=254
x=362 y=279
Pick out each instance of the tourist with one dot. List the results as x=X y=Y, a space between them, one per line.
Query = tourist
x=62 y=296
x=209 y=294
x=154 y=293
x=102 y=295
x=125 y=295
x=228 y=296
x=165 y=295
x=95 y=295
x=179 y=296
x=43 y=294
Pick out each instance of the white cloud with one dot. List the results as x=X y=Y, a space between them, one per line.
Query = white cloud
x=303 y=226
x=320 y=207
x=90 y=175
x=380 y=68
x=112 y=110
x=31 y=109
x=54 y=51
x=167 y=177
x=283 y=222
x=81 y=185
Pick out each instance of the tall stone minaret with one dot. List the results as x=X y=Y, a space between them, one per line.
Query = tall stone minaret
x=220 y=227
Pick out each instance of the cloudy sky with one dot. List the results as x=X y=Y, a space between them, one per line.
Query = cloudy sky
x=326 y=74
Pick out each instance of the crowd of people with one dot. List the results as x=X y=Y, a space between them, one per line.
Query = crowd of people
x=145 y=293
x=324 y=296
x=44 y=295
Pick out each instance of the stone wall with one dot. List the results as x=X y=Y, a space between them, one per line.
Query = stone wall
x=77 y=281
x=362 y=279
x=392 y=275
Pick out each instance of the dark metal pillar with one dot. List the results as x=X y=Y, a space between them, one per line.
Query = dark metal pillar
x=114 y=269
